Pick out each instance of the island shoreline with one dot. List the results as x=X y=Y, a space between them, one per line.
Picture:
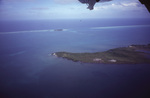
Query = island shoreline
x=133 y=54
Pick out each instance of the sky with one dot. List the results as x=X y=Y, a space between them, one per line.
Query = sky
x=70 y=9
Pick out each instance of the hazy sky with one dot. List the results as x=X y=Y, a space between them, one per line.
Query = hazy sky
x=70 y=9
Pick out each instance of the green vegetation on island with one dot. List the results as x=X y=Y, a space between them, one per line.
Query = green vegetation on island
x=131 y=54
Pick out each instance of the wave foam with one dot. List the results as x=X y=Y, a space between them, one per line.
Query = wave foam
x=34 y=31
x=113 y=27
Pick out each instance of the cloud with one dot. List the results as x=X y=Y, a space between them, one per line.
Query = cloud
x=65 y=1
x=118 y=5
x=21 y=0
x=105 y=0
x=40 y=8
x=133 y=4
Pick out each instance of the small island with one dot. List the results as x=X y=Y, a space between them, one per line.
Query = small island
x=58 y=29
x=133 y=54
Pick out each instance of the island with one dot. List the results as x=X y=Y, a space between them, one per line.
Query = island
x=133 y=54
x=58 y=29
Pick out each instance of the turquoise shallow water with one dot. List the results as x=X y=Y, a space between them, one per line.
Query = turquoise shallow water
x=27 y=70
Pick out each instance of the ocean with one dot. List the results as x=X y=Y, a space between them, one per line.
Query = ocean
x=28 y=70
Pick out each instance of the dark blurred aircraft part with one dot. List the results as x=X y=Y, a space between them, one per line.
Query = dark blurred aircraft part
x=146 y=3
x=91 y=3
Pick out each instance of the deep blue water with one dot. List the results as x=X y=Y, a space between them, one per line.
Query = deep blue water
x=27 y=70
